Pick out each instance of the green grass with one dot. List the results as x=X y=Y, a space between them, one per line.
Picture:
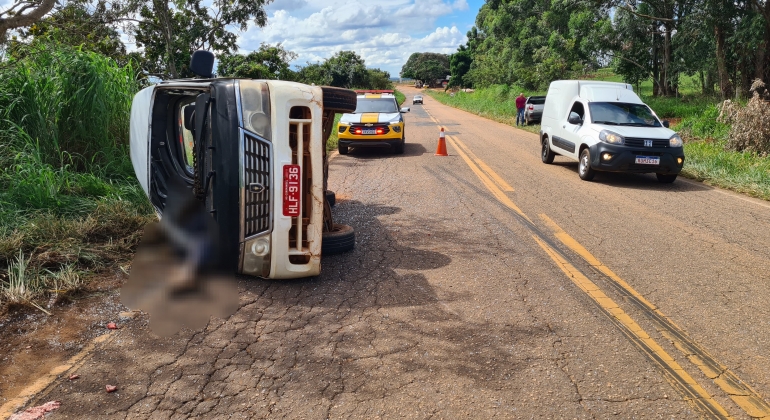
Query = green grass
x=69 y=201
x=746 y=173
x=331 y=144
x=400 y=97
x=693 y=116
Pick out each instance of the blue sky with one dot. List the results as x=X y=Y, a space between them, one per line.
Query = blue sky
x=383 y=32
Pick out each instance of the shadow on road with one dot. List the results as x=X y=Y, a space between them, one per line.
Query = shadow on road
x=647 y=182
x=370 y=329
x=410 y=149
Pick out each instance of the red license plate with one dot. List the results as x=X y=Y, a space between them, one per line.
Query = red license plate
x=292 y=176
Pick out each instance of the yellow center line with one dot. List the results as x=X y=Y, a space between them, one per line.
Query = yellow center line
x=675 y=374
x=492 y=174
x=497 y=192
x=679 y=379
x=497 y=178
x=7 y=409
x=738 y=390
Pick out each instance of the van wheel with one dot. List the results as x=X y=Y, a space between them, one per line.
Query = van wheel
x=339 y=100
x=546 y=154
x=584 y=167
x=341 y=238
x=343 y=150
x=666 y=179
x=331 y=198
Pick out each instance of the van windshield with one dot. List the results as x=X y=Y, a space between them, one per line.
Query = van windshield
x=376 y=105
x=618 y=113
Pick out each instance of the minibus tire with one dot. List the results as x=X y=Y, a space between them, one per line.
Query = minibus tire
x=341 y=239
x=339 y=100
x=331 y=198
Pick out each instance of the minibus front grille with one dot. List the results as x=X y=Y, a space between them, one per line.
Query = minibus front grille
x=300 y=129
x=256 y=203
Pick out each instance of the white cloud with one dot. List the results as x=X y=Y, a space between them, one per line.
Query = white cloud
x=383 y=32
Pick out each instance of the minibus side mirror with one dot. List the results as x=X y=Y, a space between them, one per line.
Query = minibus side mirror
x=202 y=63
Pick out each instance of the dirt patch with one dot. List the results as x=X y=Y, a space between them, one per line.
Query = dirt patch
x=32 y=343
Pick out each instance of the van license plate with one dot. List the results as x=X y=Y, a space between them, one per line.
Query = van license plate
x=648 y=160
x=292 y=182
x=370 y=131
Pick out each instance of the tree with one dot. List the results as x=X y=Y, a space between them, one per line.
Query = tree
x=23 y=13
x=426 y=67
x=268 y=62
x=345 y=69
x=77 y=26
x=313 y=74
x=378 y=79
x=459 y=64
x=170 y=32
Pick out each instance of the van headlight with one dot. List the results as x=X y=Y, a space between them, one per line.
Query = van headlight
x=675 y=141
x=610 y=137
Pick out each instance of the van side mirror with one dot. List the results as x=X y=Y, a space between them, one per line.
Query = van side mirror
x=665 y=123
x=574 y=118
x=202 y=63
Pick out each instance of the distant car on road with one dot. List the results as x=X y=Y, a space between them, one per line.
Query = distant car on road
x=533 y=109
x=417 y=99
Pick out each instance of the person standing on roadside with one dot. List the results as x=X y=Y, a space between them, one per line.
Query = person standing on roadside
x=520 y=102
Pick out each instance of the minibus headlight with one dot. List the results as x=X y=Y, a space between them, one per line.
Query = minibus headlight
x=610 y=137
x=255 y=106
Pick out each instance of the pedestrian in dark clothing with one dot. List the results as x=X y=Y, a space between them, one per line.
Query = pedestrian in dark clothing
x=520 y=102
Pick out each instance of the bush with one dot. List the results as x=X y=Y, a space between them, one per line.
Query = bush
x=750 y=130
x=69 y=199
x=705 y=125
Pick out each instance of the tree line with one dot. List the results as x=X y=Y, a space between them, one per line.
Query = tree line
x=167 y=33
x=724 y=45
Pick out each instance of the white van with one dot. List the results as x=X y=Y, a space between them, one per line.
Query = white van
x=606 y=127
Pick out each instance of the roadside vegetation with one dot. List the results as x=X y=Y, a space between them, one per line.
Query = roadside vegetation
x=70 y=204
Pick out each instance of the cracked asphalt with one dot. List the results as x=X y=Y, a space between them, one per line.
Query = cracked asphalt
x=448 y=309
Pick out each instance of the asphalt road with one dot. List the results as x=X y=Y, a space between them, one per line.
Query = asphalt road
x=484 y=284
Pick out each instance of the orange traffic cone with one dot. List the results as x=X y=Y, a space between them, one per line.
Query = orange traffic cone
x=441 y=149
